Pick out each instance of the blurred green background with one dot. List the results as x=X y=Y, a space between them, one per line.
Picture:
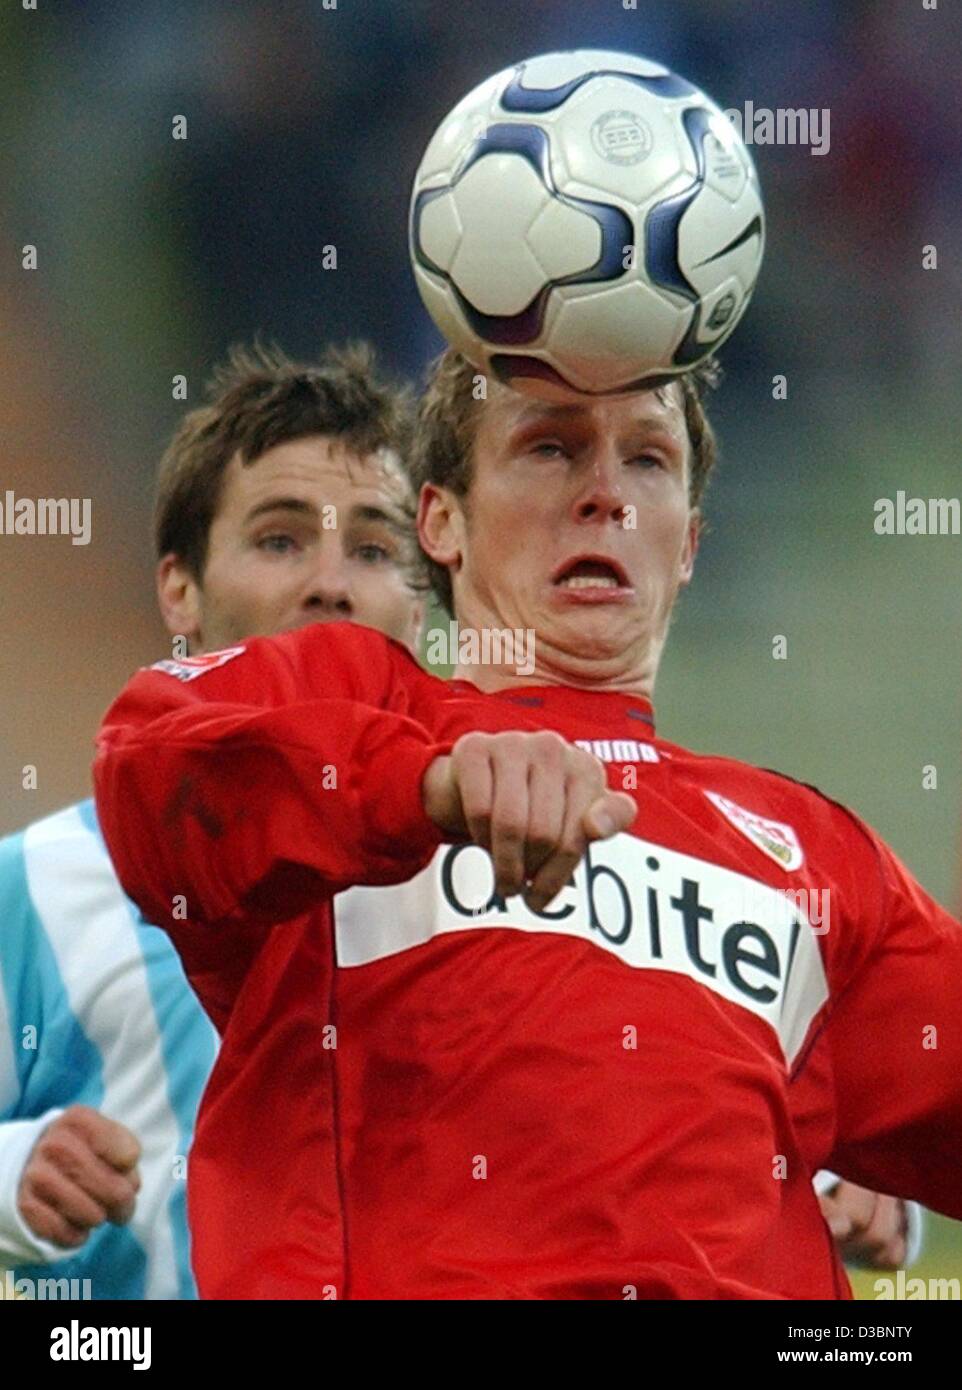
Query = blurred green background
x=304 y=127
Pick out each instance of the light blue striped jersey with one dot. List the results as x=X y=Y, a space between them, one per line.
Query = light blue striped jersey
x=95 y=1009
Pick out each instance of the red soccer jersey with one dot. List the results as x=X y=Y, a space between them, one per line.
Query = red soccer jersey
x=425 y=1091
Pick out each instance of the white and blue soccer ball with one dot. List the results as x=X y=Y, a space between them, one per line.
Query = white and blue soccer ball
x=586 y=221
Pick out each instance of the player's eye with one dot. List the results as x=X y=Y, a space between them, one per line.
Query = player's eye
x=648 y=461
x=277 y=543
x=372 y=553
x=549 y=448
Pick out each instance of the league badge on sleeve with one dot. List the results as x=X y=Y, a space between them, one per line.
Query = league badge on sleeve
x=188 y=668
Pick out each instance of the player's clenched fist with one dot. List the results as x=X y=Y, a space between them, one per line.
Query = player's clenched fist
x=870 y=1229
x=532 y=800
x=81 y=1172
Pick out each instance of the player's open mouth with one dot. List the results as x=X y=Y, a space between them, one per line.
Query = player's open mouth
x=592 y=577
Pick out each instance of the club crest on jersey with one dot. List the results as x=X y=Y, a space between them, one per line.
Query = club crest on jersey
x=188 y=668
x=773 y=837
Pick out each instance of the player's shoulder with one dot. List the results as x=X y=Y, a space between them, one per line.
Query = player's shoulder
x=740 y=788
x=58 y=886
x=738 y=775
x=76 y=823
x=71 y=834
x=55 y=867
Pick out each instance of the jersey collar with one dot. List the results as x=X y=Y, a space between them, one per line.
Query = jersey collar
x=603 y=706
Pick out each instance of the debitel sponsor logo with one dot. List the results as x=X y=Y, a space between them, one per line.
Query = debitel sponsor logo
x=652 y=907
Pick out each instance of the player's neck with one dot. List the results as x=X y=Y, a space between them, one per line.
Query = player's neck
x=534 y=665
x=494 y=656
x=491 y=679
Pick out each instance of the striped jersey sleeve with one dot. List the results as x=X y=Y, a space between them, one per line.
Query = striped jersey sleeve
x=95 y=1009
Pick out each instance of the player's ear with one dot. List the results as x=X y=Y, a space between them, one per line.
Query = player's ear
x=440 y=525
x=178 y=595
x=690 y=549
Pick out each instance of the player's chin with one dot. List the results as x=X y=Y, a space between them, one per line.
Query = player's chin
x=597 y=632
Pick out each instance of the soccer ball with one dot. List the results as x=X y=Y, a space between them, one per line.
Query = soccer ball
x=586 y=221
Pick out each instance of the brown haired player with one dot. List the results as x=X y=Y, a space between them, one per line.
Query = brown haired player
x=284 y=500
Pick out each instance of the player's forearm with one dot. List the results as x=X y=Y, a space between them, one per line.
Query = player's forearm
x=261 y=812
x=18 y=1244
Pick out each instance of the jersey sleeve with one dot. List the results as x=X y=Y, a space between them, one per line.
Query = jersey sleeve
x=895 y=1040
x=20 y=1245
x=245 y=786
x=25 y=1082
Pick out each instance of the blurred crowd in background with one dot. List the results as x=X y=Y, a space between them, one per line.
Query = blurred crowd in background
x=305 y=125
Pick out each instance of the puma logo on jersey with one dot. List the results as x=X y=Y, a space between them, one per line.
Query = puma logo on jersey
x=619 y=750
x=773 y=837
